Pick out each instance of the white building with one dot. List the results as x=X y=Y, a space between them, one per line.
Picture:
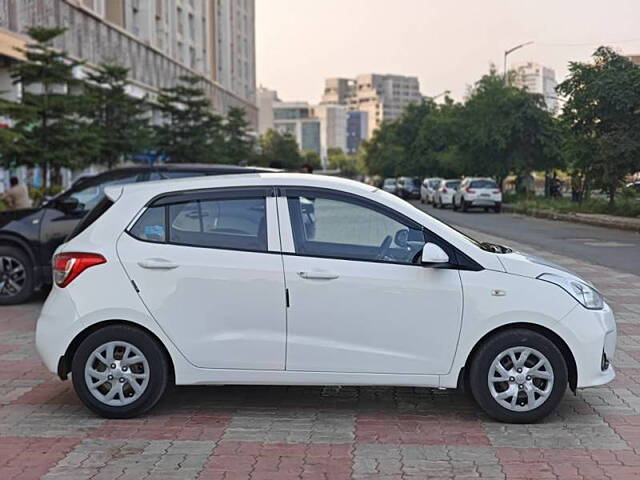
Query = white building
x=382 y=97
x=333 y=129
x=537 y=78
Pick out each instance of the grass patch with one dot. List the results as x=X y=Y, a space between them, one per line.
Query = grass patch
x=624 y=206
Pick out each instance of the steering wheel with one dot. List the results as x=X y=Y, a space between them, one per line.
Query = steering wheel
x=384 y=247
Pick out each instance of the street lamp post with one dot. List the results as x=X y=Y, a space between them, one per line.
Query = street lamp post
x=511 y=50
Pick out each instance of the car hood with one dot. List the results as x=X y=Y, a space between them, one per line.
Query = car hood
x=527 y=265
x=8 y=216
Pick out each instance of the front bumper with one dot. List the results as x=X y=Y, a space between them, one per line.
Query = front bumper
x=589 y=334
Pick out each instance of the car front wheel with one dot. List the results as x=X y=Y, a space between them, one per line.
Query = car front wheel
x=518 y=376
x=119 y=371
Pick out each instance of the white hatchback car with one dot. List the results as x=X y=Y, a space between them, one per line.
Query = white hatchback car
x=428 y=189
x=478 y=193
x=297 y=279
x=445 y=193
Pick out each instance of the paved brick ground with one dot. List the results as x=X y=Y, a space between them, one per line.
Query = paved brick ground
x=318 y=432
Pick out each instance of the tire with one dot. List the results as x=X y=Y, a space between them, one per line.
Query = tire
x=486 y=209
x=453 y=204
x=12 y=258
x=153 y=387
x=493 y=349
x=421 y=200
x=464 y=206
x=497 y=208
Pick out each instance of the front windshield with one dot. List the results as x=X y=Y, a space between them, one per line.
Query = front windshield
x=389 y=181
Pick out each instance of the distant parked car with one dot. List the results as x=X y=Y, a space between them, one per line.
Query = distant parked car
x=478 y=192
x=428 y=189
x=443 y=196
x=634 y=186
x=390 y=185
x=29 y=236
x=408 y=188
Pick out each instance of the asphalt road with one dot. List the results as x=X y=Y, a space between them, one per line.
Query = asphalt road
x=612 y=248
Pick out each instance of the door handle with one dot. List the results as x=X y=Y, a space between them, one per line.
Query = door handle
x=318 y=275
x=157 y=264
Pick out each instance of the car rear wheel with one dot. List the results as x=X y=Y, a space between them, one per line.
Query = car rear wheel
x=16 y=276
x=497 y=208
x=453 y=204
x=464 y=205
x=518 y=376
x=119 y=371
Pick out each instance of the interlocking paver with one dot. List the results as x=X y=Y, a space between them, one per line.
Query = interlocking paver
x=324 y=432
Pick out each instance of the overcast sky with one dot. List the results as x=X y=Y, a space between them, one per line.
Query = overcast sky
x=448 y=44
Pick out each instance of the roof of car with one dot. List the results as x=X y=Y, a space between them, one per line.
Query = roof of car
x=242 y=180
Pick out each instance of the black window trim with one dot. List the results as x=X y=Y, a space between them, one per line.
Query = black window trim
x=165 y=200
x=459 y=260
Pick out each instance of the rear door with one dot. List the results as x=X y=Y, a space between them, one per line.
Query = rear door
x=209 y=269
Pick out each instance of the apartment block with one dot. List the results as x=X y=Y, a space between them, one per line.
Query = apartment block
x=159 y=40
x=539 y=79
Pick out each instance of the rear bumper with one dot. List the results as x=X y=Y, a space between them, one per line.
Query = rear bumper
x=483 y=202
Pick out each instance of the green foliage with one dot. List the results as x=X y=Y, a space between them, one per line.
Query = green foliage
x=349 y=165
x=602 y=114
x=625 y=206
x=311 y=158
x=238 y=144
x=279 y=150
x=116 y=118
x=48 y=129
x=190 y=131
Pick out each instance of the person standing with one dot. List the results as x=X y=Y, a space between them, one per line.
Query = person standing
x=17 y=196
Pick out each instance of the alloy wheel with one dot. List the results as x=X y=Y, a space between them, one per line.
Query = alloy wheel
x=12 y=276
x=117 y=373
x=520 y=379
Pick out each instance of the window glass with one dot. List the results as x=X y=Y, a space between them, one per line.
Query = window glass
x=89 y=196
x=151 y=225
x=343 y=229
x=223 y=223
x=453 y=184
x=483 y=184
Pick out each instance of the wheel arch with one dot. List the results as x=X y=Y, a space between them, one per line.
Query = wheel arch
x=64 y=364
x=13 y=240
x=572 y=370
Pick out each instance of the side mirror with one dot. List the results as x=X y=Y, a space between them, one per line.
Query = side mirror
x=432 y=254
x=68 y=204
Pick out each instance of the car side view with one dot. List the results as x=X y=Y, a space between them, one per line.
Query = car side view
x=428 y=189
x=28 y=237
x=296 y=279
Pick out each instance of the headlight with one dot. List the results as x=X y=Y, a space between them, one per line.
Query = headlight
x=588 y=296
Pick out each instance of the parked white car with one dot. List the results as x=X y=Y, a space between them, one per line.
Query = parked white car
x=478 y=193
x=444 y=194
x=236 y=280
x=428 y=189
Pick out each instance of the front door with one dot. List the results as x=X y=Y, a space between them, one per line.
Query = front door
x=209 y=270
x=360 y=301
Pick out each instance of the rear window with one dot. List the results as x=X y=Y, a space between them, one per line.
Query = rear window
x=454 y=184
x=483 y=184
x=94 y=214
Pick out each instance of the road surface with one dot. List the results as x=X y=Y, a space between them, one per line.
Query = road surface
x=617 y=249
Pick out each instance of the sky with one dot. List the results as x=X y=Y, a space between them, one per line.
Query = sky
x=447 y=44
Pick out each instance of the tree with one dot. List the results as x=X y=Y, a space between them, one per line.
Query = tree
x=603 y=112
x=311 y=158
x=47 y=126
x=279 y=151
x=190 y=131
x=348 y=165
x=238 y=144
x=117 y=118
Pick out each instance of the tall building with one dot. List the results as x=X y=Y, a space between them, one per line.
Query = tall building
x=382 y=97
x=357 y=130
x=536 y=78
x=266 y=99
x=297 y=119
x=333 y=128
x=158 y=40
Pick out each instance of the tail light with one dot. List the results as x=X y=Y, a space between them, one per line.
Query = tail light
x=470 y=190
x=497 y=190
x=444 y=190
x=67 y=266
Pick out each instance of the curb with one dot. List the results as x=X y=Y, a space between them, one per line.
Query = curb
x=619 y=223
